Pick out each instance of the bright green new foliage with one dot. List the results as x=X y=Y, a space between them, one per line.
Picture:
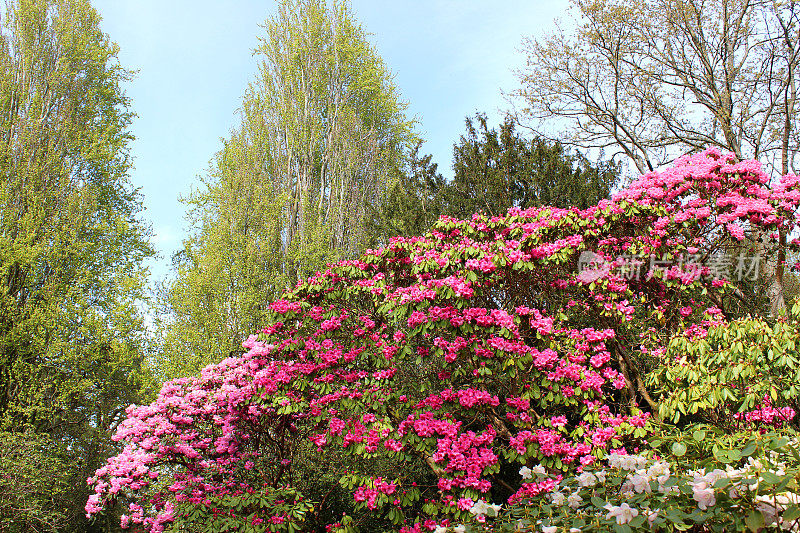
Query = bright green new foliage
x=745 y=371
x=71 y=242
x=322 y=127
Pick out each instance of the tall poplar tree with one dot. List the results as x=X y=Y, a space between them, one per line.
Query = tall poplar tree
x=71 y=251
x=321 y=128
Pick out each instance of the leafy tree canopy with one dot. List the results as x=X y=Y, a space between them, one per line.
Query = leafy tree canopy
x=496 y=170
x=321 y=128
x=72 y=338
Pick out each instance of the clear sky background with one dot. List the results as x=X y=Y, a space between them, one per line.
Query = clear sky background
x=450 y=58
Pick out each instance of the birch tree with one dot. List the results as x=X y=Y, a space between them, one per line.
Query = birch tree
x=322 y=126
x=652 y=80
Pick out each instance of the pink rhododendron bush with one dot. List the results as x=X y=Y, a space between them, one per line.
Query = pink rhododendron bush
x=409 y=388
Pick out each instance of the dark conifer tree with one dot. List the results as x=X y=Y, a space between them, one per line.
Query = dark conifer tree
x=496 y=170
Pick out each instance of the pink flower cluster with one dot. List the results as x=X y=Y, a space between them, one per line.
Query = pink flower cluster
x=767 y=414
x=369 y=493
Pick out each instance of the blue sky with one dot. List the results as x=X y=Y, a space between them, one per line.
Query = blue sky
x=450 y=59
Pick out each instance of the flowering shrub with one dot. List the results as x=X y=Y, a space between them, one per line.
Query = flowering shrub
x=738 y=374
x=423 y=376
x=746 y=485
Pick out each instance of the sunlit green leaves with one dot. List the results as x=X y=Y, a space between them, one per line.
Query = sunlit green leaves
x=72 y=243
x=732 y=370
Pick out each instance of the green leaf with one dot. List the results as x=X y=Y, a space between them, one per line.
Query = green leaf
x=678 y=449
x=637 y=520
x=754 y=521
x=791 y=513
x=748 y=450
x=597 y=502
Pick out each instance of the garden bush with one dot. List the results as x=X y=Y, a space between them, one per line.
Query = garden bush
x=406 y=390
x=701 y=480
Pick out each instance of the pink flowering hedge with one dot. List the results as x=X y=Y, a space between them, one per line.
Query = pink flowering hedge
x=421 y=377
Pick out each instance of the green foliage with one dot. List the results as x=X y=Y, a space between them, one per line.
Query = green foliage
x=35 y=479
x=494 y=171
x=72 y=336
x=413 y=201
x=730 y=371
x=291 y=189
x=244 y=511
x=703 y=479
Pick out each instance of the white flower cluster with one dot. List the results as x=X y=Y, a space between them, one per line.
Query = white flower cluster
x=626 y=462
x=528 y=473
x=481 y=508
x=456 y=529
x=559 y=498
x=645 y=476
x=638 y=481
x=555 y=529
x=702 y=485
x=772 y=506
x=622 y=513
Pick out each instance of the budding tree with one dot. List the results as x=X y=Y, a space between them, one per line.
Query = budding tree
x=322 y=127
x=655 y=79
x=652 y=80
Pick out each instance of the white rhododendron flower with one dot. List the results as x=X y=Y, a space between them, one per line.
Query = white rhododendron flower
x=558 y=498
x=703 y=487
x=539 y=470
x=626 y=462
x=587 y=479
x=641 y=475
x=640 y=483
x=623 y=513
x=771 y=506
x=703 y=495
x=651 y=516
x=614 y=460
x=658 y=469
x=459 y=529
x=574 y=500
x=481 y=508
